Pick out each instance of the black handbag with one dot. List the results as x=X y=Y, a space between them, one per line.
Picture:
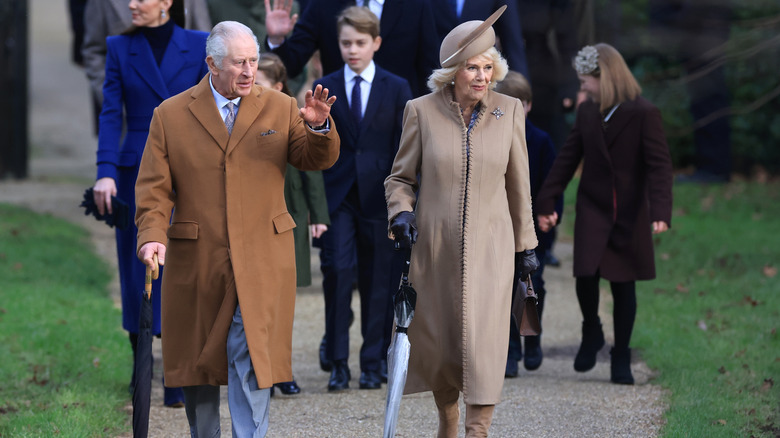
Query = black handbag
x=524 y=308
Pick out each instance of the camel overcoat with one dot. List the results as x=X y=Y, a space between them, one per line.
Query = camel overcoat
x=473 y=213
x=230 y=237
x=626 y=184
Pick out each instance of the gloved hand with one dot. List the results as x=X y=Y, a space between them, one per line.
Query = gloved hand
x=404 y=229
x=526 y=262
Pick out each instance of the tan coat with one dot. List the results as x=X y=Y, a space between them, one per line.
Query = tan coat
x=469 y=229
x=231 y=235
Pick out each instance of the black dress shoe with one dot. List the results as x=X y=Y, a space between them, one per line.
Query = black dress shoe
x=325 y=364
x=339 y=376
x=288 y=388
x=533 y=353
x=370 y=380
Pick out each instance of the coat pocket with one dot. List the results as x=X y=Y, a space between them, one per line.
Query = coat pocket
x=283 y=222
x=183 y=230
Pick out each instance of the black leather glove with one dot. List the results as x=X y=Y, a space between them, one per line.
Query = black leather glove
x=526 y=262
x=404 y=229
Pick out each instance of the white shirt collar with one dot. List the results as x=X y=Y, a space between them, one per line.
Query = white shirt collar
x=222 y=100
x=367 y=75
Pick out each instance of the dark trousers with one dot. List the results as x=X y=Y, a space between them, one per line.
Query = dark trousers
x=356 y=238
x=624 y=306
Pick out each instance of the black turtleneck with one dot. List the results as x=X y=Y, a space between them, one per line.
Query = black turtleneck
x=158 y=38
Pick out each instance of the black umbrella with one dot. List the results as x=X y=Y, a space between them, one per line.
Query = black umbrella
x=398 y=353
x=142 y=389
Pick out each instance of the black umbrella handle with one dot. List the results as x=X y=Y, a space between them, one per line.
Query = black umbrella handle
x=405 y=267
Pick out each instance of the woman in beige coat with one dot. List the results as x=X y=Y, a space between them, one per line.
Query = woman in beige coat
x=461 y=173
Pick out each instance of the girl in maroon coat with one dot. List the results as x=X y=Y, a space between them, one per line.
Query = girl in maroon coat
x=624 y=196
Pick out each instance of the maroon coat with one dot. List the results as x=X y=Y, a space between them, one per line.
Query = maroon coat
x=626 y=185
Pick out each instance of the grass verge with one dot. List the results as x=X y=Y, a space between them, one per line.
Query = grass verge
x=708 y=323
x=64 y=357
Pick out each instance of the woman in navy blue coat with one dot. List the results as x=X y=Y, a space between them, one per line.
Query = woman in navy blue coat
x=154 y=60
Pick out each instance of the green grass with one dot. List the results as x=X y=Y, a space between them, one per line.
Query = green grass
x=708 y=323
x=64 y=359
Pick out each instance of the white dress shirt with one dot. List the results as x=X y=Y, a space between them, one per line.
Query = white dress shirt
x=365 y=86
x=222 y=102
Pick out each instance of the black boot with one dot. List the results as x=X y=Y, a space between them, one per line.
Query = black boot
x=533 y=352
x=592 y=342
x=620 y=369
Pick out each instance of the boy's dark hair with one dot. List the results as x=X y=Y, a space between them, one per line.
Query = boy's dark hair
x=515 y=85
x=361 y=18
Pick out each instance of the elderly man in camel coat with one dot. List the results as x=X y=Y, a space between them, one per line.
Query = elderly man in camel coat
x=210 y=204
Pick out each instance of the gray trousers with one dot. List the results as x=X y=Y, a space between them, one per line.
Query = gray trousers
x=249 y=405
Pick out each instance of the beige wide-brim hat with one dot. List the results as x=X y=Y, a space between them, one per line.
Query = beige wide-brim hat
x=468 y=39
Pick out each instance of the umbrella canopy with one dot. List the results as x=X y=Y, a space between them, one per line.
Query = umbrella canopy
x=142 y=390
x=398 y=353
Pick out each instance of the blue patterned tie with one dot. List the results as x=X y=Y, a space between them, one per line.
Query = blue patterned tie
x=231 y=117
x=356 y=106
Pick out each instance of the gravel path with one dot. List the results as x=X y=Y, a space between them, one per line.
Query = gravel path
x=553 y=401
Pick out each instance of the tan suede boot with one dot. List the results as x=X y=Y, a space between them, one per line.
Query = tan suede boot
x=449 y=412
x=478 y=419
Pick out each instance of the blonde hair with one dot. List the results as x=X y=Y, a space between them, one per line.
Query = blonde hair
x=618 y=84
x=515 y=85
x=442 y=77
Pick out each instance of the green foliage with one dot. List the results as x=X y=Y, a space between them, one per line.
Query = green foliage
x=708 y=323
x=65 y=360
x=751 y=60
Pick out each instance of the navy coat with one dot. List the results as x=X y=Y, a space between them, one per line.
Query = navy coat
x=410 y=45
x=508 y=28
x=134 y=86
x=368 y=150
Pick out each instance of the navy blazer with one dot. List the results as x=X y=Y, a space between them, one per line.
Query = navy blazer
x=135 y=85
x=541 y=155
x=368 y=150
x=410 y=45
x=508 y=28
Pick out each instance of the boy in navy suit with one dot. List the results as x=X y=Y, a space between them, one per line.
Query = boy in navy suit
x=368 y=114
x=541 y=154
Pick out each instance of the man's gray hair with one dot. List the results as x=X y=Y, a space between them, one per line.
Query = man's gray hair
x=224 y=31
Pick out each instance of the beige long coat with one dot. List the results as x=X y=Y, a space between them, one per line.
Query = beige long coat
x=230 y=236
x=473 y=214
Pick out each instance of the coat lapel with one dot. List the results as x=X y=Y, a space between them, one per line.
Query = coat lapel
x=204 y=108
x=341 y=108
x=375 y=98
x=142 y=60
x=248 y=110
x=174 y=59
x=618 y=121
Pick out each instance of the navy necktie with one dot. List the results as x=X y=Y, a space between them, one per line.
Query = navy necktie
x=356 y=107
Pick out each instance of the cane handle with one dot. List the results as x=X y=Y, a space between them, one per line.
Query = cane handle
x=151 y=275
